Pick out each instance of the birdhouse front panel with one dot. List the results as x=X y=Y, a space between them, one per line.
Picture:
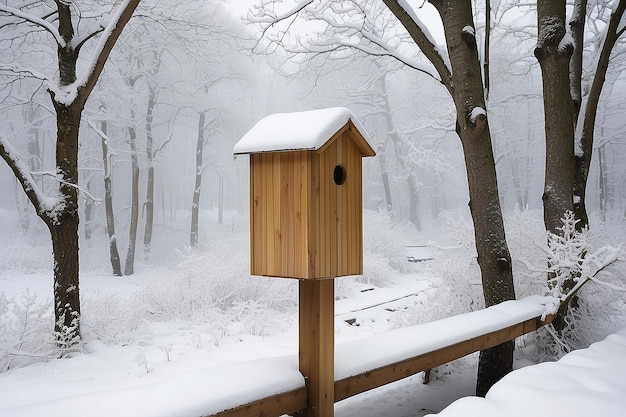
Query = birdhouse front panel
x=280 y=195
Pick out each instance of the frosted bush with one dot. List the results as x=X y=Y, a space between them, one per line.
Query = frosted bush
x=25 y=331
x=579 y=260
x=114 y=318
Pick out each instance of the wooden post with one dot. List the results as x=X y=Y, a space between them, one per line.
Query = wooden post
x=317 y=345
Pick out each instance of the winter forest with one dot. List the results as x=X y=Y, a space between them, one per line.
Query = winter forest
x=500 y=166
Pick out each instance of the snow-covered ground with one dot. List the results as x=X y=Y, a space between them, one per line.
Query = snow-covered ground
x=583 y=383
x=153 y=340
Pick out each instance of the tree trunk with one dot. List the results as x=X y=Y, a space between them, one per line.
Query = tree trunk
x=589 y=112
x=62 y=218
x=414 y=201
x=195 y=205
x=558 y=113
x=108 y=206
x=129 y=267
x=147 y=236
x=602 y=183
x=64 y=228
x=472 y=128
x=89 y=204
x=465 y=84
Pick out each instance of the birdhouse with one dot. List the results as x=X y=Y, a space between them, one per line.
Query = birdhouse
x=306 y=194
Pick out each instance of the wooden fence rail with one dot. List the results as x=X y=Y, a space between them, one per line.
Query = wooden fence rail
x=296 y=400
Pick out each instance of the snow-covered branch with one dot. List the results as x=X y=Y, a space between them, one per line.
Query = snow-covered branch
x=42 y=203
x=47 y=26
x=108 y=38
x=58 y=179
x=423 y=39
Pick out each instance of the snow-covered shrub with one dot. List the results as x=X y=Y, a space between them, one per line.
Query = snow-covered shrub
x=25 y=331
x=114 y=318
x=572 y=259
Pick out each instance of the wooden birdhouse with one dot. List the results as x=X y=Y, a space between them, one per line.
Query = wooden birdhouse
x=306 y=194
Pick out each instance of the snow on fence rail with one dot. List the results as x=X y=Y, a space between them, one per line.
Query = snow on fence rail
x=362 y=365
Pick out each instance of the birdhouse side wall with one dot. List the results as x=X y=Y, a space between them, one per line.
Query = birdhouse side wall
x=280 y=200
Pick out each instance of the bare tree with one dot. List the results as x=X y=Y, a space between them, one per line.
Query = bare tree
x=570 y=112
x=356 y=26
x=114 y=255
x=589 y=97
x=73 y=35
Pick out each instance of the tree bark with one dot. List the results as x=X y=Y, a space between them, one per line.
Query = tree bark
x=64 y=227
x=89 y=205
x=465 y=84
x=195 y=204
x=558 y=112
x=149 y=205
x=414 y=201
x=129 y=266
x=108 y=206
x=590 y=109
x=472 y=127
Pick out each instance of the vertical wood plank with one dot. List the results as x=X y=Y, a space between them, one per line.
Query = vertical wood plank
x=287 y=232
x=332 y=269
x=359 y=212
x=314 y=226
x=268 y=225
x=317 y=344
x=276 y=215
x=253 y=223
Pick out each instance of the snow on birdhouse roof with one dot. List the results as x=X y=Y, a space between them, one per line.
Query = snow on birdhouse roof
x=306 y=130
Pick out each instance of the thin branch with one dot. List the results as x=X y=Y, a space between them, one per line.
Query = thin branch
x=69 y=184
x=35 y=20
x=102 y=51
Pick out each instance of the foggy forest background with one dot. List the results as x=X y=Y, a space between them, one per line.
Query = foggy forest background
x=188 y=79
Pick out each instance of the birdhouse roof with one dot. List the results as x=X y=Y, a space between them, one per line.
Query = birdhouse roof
x=307 y=130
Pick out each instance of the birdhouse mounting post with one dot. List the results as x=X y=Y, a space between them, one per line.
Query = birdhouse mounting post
x=316 y=355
